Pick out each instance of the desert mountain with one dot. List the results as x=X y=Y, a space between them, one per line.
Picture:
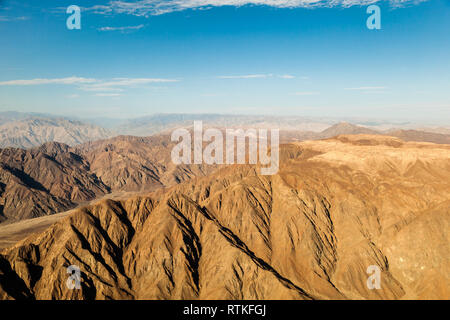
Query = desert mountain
x=334 y=208
x=28 y=130
x=440 y=130
x=128 y=163
x=344 y=128
x=340 y=128
x=55 y=177
x=415 y=135
x=44 y=180
x=164 y=123
x=34 y=131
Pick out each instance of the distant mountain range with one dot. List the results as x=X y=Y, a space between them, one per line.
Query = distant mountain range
x=28 y=130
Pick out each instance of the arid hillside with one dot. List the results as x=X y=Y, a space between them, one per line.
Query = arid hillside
x=415 y=135
x=335 y=207
x=344 y=128
x=55 y=177
x=128 y=163
x=44 y=180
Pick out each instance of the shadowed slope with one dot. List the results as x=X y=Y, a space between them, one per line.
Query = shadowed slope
x=56 y=177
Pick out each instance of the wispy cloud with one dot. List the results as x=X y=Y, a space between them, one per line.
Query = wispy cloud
x=121 y=29
x=32 y=82
x=79 y=80
x=6 y=18
x=89 y=84
x=257 y=76
x=209 y=94
x=100 y=88
x=366 y=88
x=108 y=94
x=286 y=76
x=158 y=7
x=247 y=76
x=136 y=81
x=307 y=93
x=117 y=84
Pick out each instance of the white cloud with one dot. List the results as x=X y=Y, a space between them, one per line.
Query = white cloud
x=136 y=81
x=92 y=83
x=307 y=93
x=108 y=94
x=6 y=18
x=88 y=84
x=122 y=29
x=366 y=88
x=99 y=87
x=69 y=80
x=247 y=76
x=258 y=76
x=117 y=84
x=158 y=7
x=286 y=76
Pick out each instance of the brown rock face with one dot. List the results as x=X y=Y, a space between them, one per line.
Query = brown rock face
x=311 y=231
x=44 y=180
x=127 y=163
x=56 y=177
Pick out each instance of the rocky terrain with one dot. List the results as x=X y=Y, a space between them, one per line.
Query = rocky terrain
x=127 y=163
x=344 y=128
x=334 y=208
x=55 y=177
x=44 y=180
x=415 y=135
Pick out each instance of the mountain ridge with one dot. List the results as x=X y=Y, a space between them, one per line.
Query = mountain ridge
x=56 y=177
x=27 y=130
x=308 y=232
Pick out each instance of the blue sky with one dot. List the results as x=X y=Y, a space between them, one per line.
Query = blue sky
x=277 y=57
